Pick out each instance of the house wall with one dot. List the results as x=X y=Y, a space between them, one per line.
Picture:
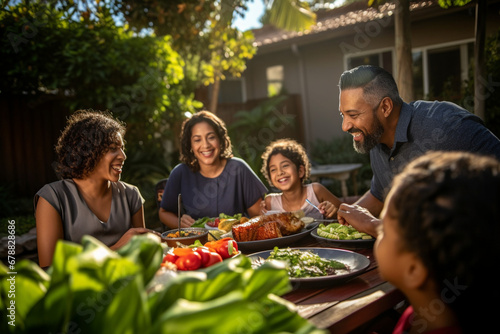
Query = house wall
x=313 y=70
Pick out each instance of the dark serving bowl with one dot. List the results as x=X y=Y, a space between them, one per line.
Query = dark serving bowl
x=195 y=233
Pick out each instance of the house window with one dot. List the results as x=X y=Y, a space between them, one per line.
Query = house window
x=275 y=77
x=418 y=79
x=438 y=71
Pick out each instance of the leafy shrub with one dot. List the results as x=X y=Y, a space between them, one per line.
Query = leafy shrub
x=91 y=289
x=250 y=127
x=340 y=151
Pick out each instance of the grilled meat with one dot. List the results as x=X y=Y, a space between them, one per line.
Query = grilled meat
x=269 y=230
x=289 y=222
x=268 y=227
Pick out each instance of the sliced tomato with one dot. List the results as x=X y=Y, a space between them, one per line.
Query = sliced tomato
x=190 y=261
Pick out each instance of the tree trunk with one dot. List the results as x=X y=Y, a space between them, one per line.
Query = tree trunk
x=214 y=98
x=404 y=60
x=479 y=61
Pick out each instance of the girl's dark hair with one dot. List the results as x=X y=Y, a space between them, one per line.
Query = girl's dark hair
x=447 y=205
x=288 y=148
x=84 y=141
x=376 y=82
x=187 y=156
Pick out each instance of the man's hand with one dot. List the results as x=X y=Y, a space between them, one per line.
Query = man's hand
x=359 y=218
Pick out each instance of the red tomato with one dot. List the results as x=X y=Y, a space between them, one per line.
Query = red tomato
x=170 y=257
x=204 y=253
x=214 y=223
x=214 y=258
x=227 y=249
x=191 y=261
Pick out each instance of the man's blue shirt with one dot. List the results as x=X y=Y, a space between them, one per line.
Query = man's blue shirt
x=428 y=126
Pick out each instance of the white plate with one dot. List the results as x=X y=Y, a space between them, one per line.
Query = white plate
x=210 y=227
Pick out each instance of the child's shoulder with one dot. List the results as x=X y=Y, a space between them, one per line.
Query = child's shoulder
x=316 y=186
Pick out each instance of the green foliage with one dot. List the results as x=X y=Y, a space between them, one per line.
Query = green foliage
x=91 y=289
x=450 y=3
x=251 y=131
x=23 y=224
x=492 y=88
x=17 y=209
x=340 y=151
x=93 y=63
x=228 y=52
x=201 y=32
x=290 y=15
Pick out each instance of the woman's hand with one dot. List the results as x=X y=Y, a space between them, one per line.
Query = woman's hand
x=130 y=233
x=359 y=218
x=328 y=209
x=171 y=219
x=187 y=221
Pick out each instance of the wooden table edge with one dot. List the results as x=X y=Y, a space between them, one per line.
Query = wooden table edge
x=357 y=310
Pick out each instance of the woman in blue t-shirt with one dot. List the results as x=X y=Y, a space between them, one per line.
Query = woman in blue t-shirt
x=210 y=180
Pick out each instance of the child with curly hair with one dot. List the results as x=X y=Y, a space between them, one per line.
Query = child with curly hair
x=441 y=212
x=286 y=166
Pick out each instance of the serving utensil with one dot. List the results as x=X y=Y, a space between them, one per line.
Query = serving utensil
x=213 y=236
x=314 y=206
x=179 y=205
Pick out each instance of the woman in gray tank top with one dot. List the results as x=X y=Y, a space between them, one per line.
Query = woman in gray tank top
x=89 y=199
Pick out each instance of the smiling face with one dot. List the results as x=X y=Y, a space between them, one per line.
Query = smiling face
x=205 y=144
x=110 y=165
x=360 y=119
x=284 y=173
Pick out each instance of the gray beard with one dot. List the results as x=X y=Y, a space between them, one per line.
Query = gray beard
x=370 y=140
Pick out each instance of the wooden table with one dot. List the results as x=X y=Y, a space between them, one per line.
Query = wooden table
x=341 y=172
x=343 y=307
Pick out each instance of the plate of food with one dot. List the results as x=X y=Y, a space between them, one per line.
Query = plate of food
x=267 y=231
x=310 y=265
x=337 y=235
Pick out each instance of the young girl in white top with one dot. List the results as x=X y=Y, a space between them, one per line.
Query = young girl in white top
x=286 y=166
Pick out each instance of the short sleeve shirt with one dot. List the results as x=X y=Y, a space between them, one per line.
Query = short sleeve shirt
x=78 y=220
x=429 y=126
x=235 y=190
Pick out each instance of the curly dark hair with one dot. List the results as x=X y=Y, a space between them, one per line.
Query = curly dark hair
x=84 y=141
x=187 y=156
x=292 y=150
x=447 y=205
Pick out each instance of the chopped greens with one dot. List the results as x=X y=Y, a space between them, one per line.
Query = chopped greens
x=201 y=222
x=338 y=231
x=305 y=263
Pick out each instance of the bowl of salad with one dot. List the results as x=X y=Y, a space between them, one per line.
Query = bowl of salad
x=315 y=266
x=185 y=236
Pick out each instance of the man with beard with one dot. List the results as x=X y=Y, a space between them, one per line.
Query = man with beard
x=395 y=133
